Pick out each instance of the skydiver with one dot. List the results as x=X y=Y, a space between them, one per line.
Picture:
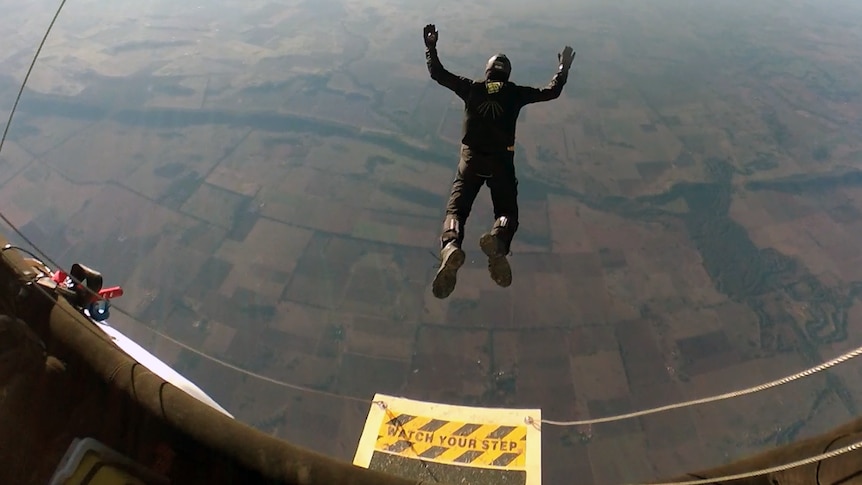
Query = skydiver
x=491 y=109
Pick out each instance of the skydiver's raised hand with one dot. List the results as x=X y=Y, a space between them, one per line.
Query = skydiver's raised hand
x=566 y=57
x=430 y=35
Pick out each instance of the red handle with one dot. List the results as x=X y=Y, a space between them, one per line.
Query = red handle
x=112 y=292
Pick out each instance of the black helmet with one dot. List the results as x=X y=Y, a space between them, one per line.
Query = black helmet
x=498 y=68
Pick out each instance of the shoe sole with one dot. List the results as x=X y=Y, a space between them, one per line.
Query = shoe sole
x=447 y=275
x=498 y=265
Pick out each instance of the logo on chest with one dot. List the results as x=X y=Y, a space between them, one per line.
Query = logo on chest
x=491 y=108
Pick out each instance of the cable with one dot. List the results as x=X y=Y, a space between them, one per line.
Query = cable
x=12 y=114
x=813 y=370
x=529 y=420
x=742 y=392
x=46 y=258
x=765 y=471
x=755 y=473
x=271 y=380
x=707 y=481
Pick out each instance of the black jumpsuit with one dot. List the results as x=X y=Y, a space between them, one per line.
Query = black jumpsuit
x=491 y=110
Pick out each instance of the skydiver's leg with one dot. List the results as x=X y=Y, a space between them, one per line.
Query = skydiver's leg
x=504 y=196
x=497 y=243
x=465 y=188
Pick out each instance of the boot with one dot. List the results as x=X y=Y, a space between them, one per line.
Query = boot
x=451 y=259
x=498 y=265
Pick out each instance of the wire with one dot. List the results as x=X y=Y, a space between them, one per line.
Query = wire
x=277 y=382
x=12 y=114
x=218 y=361
x=529 y=420
x=720 y=397
x=706 y=481
x=45 y=257
x=765 y=471
x=755 y=473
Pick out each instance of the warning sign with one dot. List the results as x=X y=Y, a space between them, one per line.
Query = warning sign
x=449 y=443
x=453 y=441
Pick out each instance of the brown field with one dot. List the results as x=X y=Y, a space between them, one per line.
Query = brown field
x=190 y=100
x=379 y=337
x=600 y=375
x=797 y=227
x=272 y=244
x=170 y=154
x=115 y=212
x=75 y=159
x=314 y=212
x=384 y=201
x=334 y=107
x=450 y=126
x=341 y=82
x=336 y=159
x=395 y=229
x=261 y=160
x=431 y=109
x=232 y=180
x=402 y=95
x=214 y=205
x=564 y=212
x=39 y=138
x=164 y=272
x=22 y=199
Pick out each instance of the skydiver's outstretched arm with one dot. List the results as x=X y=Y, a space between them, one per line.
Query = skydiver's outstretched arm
x=458 y=84
x=555 y=87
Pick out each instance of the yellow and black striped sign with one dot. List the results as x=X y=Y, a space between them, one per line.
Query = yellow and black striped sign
x=453 y=442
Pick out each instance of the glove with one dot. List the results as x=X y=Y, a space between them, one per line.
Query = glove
x=566 y=57
x=430 y=35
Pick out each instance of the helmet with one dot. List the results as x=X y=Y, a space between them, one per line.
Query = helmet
x=498 y=68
